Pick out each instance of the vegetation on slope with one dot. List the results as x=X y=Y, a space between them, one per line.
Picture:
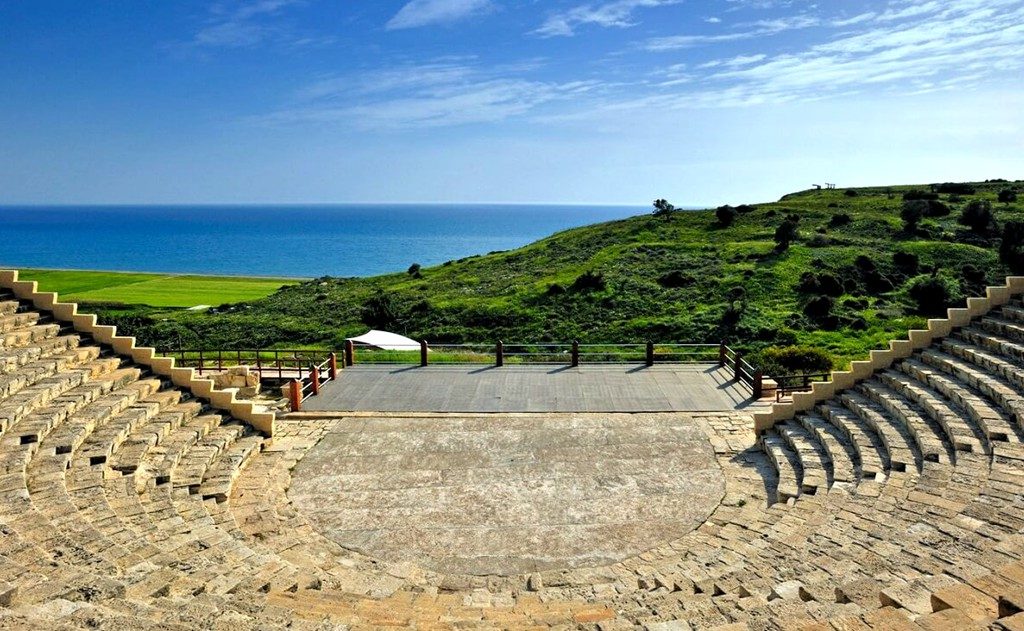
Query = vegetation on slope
x=839 y=270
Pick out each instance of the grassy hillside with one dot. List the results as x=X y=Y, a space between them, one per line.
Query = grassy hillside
x=843 y=285
x=156 y=290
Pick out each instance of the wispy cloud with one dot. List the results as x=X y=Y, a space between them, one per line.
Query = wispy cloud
x=606 y=14
x=437 y=94
x=245 y=25
x=753 y=30
x=419 y=13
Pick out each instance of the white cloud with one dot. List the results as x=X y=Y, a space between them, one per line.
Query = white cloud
x=244 y=25
x=419 y=13
x=607 y=14
x=761 y=28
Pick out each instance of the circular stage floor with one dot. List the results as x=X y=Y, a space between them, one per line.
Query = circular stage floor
x=509 y=494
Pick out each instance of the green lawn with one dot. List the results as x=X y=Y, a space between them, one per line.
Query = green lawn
x=156 y=290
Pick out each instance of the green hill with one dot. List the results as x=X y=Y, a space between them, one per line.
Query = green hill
x=853 y=277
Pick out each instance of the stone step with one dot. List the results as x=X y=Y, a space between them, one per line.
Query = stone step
x=219 y=478
x=992 y=342
x=1010 y=329
x=874 y=459
x=987 y=361
x=902 y=449
x=842 y=453
x=1012 y=312
x=931 y=438
x=28 y=335
x=8 y=307
x=129 y=454
x=964 y=435
x=786 y=463
x=16 y=321
x=815 y=464
x=992 y=421
x=989 y=384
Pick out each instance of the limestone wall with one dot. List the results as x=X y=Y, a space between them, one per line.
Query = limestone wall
x=226 y=400
x=898 y=349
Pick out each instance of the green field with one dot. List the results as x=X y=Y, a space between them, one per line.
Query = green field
x=155 y=290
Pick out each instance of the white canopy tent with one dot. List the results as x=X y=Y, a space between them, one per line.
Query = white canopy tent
x=385 y=341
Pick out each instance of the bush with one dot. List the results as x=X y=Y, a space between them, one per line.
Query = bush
x=786 y=233
x=381 y=312
x=792 y=360
x=819 y=307
x=1011 y=249
x=675 y=280
x=851 y=193
x=919 y=195
x=662 y=208
x=1007 y=196
x=414 y=270
x=839 y=219
x=978 y=216
x=725 y=215
x=745 y=208
x=912 y=213
x=906 y=262
x=932 y=295
x=936 y=209
x=588 y=281
x=955 y=188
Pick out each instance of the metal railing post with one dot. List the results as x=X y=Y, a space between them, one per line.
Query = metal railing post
x=424 y=349
x=575 y=353
x=499 y=354
x=295 y=394
x=650 y=354
x=350 y=353
x=738 y=358
x=722 y=354
x=332 y=370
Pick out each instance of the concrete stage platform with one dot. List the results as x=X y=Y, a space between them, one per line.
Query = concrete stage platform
x=536 y=388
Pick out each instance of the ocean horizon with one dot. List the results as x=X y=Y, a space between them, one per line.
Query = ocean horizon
x=285 y=240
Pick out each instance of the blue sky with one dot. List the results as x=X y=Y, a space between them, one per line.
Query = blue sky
x=606 y=101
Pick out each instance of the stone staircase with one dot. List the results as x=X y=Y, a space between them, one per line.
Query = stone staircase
x=126 y=502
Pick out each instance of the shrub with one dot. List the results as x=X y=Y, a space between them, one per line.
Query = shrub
x=745 y=208
x=839 y=219
x=555 y=289
x=786 y=233
x=936 y=209
x=919 y=195
x=588 y=281
x=381 y=312
x=662 y=208
x=906 y=262
x=955 y=188
x=1011 y=248
x=978 y=216
x=792 y=360
x=414 y=270
x=675 y=279
x=851 y=193
x=912 y=213
x=932 y=295
x=1007 y=196
x=819 y=307
x=725 y=215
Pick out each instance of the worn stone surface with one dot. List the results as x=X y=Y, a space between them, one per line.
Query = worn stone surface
x=509 y=494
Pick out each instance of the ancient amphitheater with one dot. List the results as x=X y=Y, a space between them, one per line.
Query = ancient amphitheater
x=136 y=496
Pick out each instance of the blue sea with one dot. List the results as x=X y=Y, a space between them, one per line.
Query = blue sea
x=290 y=240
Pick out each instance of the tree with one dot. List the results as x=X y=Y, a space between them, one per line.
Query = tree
x=1007 y=196
x=933 y=294
x=977 y=215
x=662 y=208
x=912 y=213
x=786 y=233
x=414 y=270
x=1011 y=249
x=725 y=215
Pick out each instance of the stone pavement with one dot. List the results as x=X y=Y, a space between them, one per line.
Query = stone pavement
x=535 y=388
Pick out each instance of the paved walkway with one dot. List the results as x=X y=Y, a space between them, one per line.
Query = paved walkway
x=469 y=389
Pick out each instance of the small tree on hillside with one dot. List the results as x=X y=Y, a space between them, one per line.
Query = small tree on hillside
x=912 y=213
x=662 y=208
x=1007 y=196
x=1011 y=249
x=785 y=234
x=725 y=215
x=977 y=215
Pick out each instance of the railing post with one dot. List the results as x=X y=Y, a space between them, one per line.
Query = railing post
x=424 y=349
x=295 y=394
x=738 y=358
x=200 y=362
x=575 y=353
x=758 y=384
x=350 y=353
x=499 y=354
x=722 y=350
x=314 y=378
x=650 y=354
x=332 y=367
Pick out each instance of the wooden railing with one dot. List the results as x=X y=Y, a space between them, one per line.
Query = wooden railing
x=786 y=385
